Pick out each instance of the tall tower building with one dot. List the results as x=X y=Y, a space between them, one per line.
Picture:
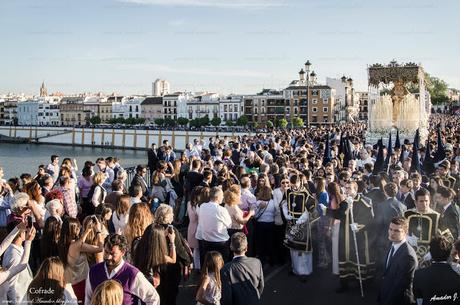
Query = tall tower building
x=43 y=91
x=160 y=87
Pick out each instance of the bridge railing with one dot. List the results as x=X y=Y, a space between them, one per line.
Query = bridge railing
x=131 y=172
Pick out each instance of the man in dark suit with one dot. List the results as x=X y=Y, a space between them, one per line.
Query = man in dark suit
x=384 y=213
x=449 y=211
x=193 y=177
x=139 y=179
x=438 y=283
x=375 y=193
x=407 y=198
x=242 y=278
x=377 y=197
x=207 y=178
x=152 y=158
x=236 y=154
x=400 y=265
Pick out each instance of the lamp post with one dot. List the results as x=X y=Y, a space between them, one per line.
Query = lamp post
x=307 y=71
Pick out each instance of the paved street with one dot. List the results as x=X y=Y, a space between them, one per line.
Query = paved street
x=282 y=288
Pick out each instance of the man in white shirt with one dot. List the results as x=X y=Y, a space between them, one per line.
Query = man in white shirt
x=18 y=284
x=53 y=168
x=213 y=222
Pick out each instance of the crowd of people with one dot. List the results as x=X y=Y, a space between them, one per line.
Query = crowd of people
x=225 y=208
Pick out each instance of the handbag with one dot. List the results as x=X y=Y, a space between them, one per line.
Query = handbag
x=256 y=217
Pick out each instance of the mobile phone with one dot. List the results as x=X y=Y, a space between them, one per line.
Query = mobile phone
x=29 y=221
x=170 y=229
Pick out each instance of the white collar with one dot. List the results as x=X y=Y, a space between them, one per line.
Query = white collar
x=447 y=206
x=397 y=245
x=114 y=271
x=237 y=256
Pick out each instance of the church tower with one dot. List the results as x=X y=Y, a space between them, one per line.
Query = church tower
x=43 y=91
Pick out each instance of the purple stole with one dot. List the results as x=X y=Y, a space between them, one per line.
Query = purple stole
x=125 y=276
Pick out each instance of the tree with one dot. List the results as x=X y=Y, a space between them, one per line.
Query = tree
x=269 y=124
x=95 y=120
x=131 y=121
x=242 y=120
x=229 y=123
x=169 y=122
x=216 y=121
x=297 y=122
x=204 y=121
x=121 y=120
x=282 y=123
x=159 y=121
x=182 y=121
x=196 y=123
x=437 y=88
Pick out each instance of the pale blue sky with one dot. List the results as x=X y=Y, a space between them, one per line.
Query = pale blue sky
x=238 y=46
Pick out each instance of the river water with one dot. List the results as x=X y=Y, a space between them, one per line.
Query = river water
x=25 y=158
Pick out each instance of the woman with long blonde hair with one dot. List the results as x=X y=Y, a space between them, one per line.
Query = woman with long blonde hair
x=49 y=285
x=210 y=289
x=121 y=214
x=232 y=200
x=109 y=292
x=139 y=219
x=93 y=238
x=72 y=250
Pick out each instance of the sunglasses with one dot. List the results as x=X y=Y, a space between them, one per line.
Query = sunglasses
x=285 y=182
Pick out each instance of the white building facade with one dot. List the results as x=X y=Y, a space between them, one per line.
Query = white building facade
x=175 y=105
x=346 y=104
x=203 y=104
x=133 y=107
x=39 y=112
x=231 y=107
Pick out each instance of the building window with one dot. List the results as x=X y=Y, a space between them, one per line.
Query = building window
x=314 y=101
x=325 y=119
x=314 y=119
x=324 y=109
x=314 y=109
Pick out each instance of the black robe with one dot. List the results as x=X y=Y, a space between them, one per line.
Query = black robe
x=348 y=263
